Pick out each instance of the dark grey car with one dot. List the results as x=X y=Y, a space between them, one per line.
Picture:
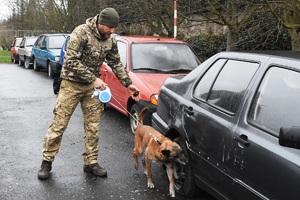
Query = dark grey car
x=228 y=114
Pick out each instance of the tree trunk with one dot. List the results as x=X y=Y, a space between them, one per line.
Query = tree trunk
x=232 y=39
x=295 y=39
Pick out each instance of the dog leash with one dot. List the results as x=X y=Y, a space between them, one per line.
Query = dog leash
x=136 y=94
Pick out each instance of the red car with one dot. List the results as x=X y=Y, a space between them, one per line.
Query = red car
x=149 y=61
x=14 y=50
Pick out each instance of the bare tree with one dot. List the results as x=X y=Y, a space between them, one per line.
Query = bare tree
x=232 y=14
x=150 y=17
x=287 y=13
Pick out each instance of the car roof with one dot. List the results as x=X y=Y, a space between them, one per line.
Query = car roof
x=279 y=53
x=30 y=37
x=269 y=54
x=149 y=39
x=54 y=34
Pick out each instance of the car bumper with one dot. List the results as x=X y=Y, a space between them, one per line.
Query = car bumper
x=158 y=124
x=30 y=58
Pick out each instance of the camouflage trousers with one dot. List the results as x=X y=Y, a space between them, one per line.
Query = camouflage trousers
x=69 y=96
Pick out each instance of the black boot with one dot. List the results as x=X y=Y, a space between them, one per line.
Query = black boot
x=95 y=169
x=44 y=172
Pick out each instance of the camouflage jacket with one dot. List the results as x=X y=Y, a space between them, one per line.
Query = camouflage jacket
x=87 y=50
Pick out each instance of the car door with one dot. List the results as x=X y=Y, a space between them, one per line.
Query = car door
x=270 y=170
x=44 y=52
x=210 y=119
x=21 y=49
x=38 y=49
x=118 y=91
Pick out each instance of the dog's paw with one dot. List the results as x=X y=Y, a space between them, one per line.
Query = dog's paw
x=172 y=193
x=136 y=166
x=150 y=185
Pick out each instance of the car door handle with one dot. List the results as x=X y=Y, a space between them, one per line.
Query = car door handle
x=189 y=110
x=242 y=139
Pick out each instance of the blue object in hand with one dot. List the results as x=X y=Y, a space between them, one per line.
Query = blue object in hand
x=104 y=96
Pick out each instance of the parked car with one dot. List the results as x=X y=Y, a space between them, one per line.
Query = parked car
x=149 y=61
x=228 y=114
x=14 y=50
x=63 y=51
x=46 y=53
x=24 y=51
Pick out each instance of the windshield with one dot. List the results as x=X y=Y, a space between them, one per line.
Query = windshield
x=163 y=57
x=56 y=42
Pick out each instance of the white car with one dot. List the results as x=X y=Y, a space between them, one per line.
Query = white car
x=24 y=51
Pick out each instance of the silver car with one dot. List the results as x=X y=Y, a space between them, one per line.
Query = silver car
x=25 y=56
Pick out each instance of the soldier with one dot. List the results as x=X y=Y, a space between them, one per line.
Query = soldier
x=90 y=44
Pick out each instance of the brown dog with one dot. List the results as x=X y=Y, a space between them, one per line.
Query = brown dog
x=156 y=148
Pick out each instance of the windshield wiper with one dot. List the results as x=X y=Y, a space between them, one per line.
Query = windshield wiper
x=149 y=69
x=178 y=71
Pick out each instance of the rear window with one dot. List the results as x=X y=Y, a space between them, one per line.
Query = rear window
x=276 y=102
x=30 y=41
x=18 y=42
x=224 y=84
x=56 y=42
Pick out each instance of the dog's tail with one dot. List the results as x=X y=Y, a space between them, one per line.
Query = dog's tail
x=142 y=114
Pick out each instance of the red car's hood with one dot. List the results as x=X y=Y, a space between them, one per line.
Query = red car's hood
x=154 y=81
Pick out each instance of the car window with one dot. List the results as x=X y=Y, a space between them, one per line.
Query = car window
x=56 y=42
x=44 y=43
x=30 y=41
x=163 y=56
x=203 y=89
x=276 y=102
x=225 y=83
x=122 y=52
x=40 y=41
x=22 y=42
x=66 y=43
x=18 y=41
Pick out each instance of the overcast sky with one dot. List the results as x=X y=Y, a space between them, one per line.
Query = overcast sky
x=4 y=10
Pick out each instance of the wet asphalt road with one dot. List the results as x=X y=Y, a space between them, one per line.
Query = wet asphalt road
x=26 y=103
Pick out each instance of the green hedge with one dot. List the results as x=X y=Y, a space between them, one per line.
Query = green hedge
x=208 y=45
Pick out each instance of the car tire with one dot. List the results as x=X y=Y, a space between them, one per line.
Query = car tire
x=15 y=61
x=35 y=65
x=27 y=63
x=134 y=111
x=49 y=70
x=20 y=62
x=184 y=177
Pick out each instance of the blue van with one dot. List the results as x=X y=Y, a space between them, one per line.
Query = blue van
x=63 y=51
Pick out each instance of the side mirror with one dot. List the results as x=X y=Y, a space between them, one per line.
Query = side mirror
x=289 y=136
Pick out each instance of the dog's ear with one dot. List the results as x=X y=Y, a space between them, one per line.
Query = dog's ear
x=166 y=153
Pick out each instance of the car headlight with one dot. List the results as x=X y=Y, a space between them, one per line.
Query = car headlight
x=57 y=58
x=154 y=99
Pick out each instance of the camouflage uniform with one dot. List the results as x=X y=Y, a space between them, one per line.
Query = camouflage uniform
x=86 y=51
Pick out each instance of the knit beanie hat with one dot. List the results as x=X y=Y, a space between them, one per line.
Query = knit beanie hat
x=109 y=17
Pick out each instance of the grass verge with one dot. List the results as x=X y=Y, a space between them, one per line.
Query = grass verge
x=5 y=56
